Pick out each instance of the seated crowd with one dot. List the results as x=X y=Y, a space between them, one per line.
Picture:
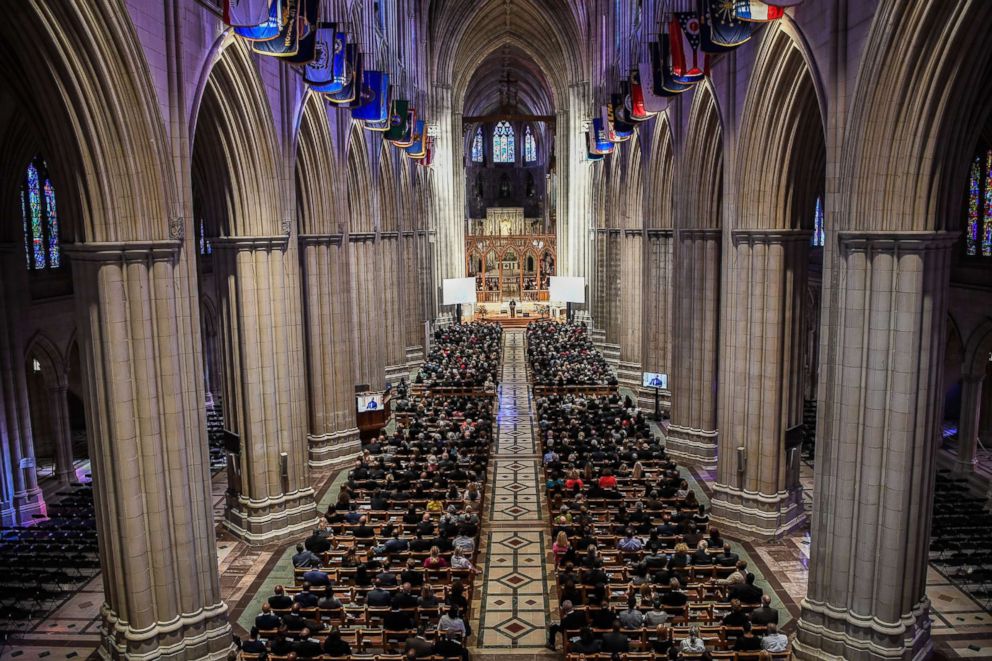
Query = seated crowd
x=389 y=568
x=463 y=355
x=562 y=354
x=639 y=569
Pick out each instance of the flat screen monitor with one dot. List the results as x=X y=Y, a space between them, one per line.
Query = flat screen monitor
x=655 y=380
x=458 y=290
x=567 y=289
x=369 y=402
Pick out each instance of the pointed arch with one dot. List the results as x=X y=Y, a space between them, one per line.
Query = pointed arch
x=659 y=176
x=53 y=363
x=360 y=184
x=319 y=195
x=702 y=163
x=235 y=153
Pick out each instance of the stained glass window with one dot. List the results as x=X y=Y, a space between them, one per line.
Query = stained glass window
x=205 y=247
x=978 y=231
x=530 y=149
x=39 y=218
x=477 y=146
x=819 y=236
x=503 y=143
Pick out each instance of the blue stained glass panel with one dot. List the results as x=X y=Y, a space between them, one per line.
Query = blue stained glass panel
x=503 y=143
x=819 y=233
x=530 y=149
x=974 y=206
x=34 y=208
x=54 y=258
x=477 y=146
x=27 y=235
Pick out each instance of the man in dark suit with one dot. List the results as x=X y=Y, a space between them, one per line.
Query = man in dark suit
x=728 y=558
x=267 y=620
x=307 y=647
x=571 y=620
x=411 y=575
x=747 y=592
x=296 y=622
x=318 y=542
x=253 y=645
x=701 y=556
x=305 y=598
x=315 y=577
x=363 y=530
x=615 y=642
x=420 y=645
x=305 y=558
x=280 y=600
x=674 y=598
x=404 y=597
x=764 y=614
x=386 y=577
x=378 y=597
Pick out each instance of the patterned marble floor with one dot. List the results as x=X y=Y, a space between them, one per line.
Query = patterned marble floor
x=513 y=594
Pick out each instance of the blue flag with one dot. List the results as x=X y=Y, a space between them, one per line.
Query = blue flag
x=271 y=28
x=419 y=147
x=374 y=97
x=287 y=42
x=318 y=70
x=246 y=13
x=721 y=29
x=353 y=77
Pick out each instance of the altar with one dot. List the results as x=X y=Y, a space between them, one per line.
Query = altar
x=511 y=257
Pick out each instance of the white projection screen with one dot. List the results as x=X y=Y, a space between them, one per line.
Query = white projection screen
x=458 y=290
x=567 y=289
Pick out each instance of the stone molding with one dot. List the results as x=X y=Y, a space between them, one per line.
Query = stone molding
x=127 y=251
x=250 y=243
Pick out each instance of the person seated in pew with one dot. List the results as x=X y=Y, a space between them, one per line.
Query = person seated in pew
x=435 y=560
x=747 y=641
x=630 y=543
x=316 y=578
x=377 y=597
x=773 y=641
x=693 y=644
x=411 y=575
x=420 y=544
x=334 y=645
x=456 y=595
x=425 y=526
x=764 y=614
x=736 y=618
x=656 y=615
x=631 y=618
x=281 y=645
x=363 y=530
x=464 y=542
x=715 y=540
x=320 y=540
x=727 y=558
x=460 y=561
x=452 y=622
x=571 y=620
x=387 y=578
x=253 y=645
x=328 y=601
x=616 y=642
x=586 y=643
x=267 y=620
x=396 y=619
x=412 y=516
x=674 y=598
x=601 y=616
x=404 y=597
x=294 y=621
x=306 y=646
x=418 y=647
x=305 y=598
x=280 y=600
x=304 y=557
x=701 y=556
x=448 y=647
x=748 y=592
x=427 y=598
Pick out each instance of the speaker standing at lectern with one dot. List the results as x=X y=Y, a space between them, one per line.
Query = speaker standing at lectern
x=513 y=308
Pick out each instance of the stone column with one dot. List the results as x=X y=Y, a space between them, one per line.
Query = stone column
x=367 y=306
x=631 y=295
x=971 y=411
x=333 y=435
x=657 y=322
x=149 y=454
x=58 y=409
x=761 y=382
x=880 y=409
x=20 y=496
x=264 y=386
x=692 y=434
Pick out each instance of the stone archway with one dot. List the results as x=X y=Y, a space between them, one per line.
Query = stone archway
x=48 y=392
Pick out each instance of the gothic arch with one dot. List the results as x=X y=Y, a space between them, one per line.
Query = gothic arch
x=319 y=191
x=977 y=349
x=360 y=184
x=54 y=365
x=631 y=195
x=924 y=97
x=235 y=152
x=702 y=163
x=86 y=95
x=660 y=173
x=781 y=150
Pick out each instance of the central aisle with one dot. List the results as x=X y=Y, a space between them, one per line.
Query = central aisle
x=516 y=583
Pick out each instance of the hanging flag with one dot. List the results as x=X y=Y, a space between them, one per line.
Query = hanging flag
x=722 y=30
x=353 y=77
x=689 y=63
x=428 y=158
x=301 y=18
x=601 y=143
x=664 y=81
x=373 y=101
x=398 y=120
x=653 y=102
x=318 y=70
x=331 y=76
x=271 y=27
x=247 y=13
x=636 y=109
x=621 y=128
x=757 y=11
x=308 y=27
x=606 y=126
x=411 y=124
x=419 y=147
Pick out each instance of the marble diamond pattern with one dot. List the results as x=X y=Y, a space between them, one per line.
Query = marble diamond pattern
x=512 y=595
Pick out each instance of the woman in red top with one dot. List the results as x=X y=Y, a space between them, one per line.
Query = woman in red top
x=434 y=560
x=573 y=481
x=607 y=481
